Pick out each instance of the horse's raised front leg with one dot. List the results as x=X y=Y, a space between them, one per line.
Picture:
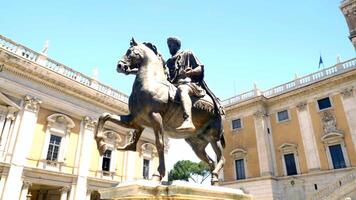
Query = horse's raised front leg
x=132 y=143
x=156 y=120
x=123 y=120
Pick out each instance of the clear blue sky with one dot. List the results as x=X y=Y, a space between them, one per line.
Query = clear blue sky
x=238 y=41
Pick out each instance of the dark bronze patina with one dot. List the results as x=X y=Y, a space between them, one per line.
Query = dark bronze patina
x=176 y=103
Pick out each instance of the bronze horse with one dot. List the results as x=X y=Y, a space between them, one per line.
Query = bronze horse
x=150 y=105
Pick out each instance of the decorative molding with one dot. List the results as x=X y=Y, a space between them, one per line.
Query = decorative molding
x=89 y=122
x=27 y=184
x=260 y=114
x=64 y=189
x=112 y=137
x=302 y=106
x=287 y=148
x=347 y=92
x=11 y=114
x=61 y=119
x=32 y=103
x=148 y=150
x=329 y=122
x=238 y=153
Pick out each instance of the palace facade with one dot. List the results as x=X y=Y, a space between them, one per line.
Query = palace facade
x=48 y=113
x=296 y=140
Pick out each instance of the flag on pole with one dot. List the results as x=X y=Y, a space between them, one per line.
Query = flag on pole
x=320 y=61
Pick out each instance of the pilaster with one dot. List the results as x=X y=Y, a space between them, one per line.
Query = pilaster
x=308 y=137
x=88 y=125
x=263 y=147
x=9 y=120
x=26 y=185
x=349 y=103
x=64 y=192
x=24 y=138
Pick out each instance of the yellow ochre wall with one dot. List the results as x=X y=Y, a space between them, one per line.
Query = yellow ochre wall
x=287 y=132
x=341 y=123
x=244 y=138
x=39 y=137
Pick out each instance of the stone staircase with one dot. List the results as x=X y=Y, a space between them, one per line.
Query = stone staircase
x=338 y=189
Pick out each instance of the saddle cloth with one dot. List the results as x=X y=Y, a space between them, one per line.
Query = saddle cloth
x=203 y=103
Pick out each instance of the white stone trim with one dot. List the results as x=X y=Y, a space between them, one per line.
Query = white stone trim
x=323 y=97
x=261 y=121
x=308 y=137
x=239 y=154
x=281 y=110
x=58 y=125
x=335 y=139
x=349 y=103
x=241 y=122
x=289 y=148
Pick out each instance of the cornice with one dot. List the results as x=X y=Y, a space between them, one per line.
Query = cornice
x=295 y=95
x=34 y=72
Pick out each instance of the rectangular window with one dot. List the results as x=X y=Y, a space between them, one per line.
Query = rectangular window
x=290 y=164
x=146 y=168
x=106 y=161
x=236 y=124
x=282 y=115
x=240 y=169
x=337 y=157
x=53 y=148
x=324 y=103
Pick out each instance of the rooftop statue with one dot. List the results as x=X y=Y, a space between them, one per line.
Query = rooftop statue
x=173 y=100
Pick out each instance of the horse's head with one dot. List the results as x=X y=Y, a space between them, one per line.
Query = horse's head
x=135 y=57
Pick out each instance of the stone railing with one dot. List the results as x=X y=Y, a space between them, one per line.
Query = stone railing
x=109 y=175
x=329 y=190
x=295 y=84
x=59 y=68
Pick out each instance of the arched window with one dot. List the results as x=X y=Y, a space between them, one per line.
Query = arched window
x=108 y=159
x=148 y=152
x=56 y=140
x=289 y=156
x=240 y=162
x=333 y=140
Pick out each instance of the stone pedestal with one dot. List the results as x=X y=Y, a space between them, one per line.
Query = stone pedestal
x=145 y=189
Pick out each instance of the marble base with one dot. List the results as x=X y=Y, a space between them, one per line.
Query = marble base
x=145 y=189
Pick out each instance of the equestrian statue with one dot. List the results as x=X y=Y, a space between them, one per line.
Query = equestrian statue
x=173 y=99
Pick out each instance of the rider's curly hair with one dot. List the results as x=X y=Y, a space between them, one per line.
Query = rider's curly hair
x=175 y=40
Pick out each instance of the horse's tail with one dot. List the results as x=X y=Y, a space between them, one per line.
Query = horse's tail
x=222 y=138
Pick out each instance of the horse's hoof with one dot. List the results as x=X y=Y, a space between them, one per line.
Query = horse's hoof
x=214 y=182
x=128 y=147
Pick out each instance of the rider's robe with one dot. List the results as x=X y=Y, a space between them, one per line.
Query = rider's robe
x=184 y=60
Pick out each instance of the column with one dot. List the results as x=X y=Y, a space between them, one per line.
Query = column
x=263 y=147
x=88 y=125
x=42 y=194
x=10 y=117
x=308 y=137
x=2 y=184
x=26 y=185
x=130 y=162
x=64 y=192
x=349 y=104
x=72 y=192
x=24 y=138
x=88 y=194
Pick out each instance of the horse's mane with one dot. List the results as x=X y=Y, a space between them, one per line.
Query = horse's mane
x=154 y=49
